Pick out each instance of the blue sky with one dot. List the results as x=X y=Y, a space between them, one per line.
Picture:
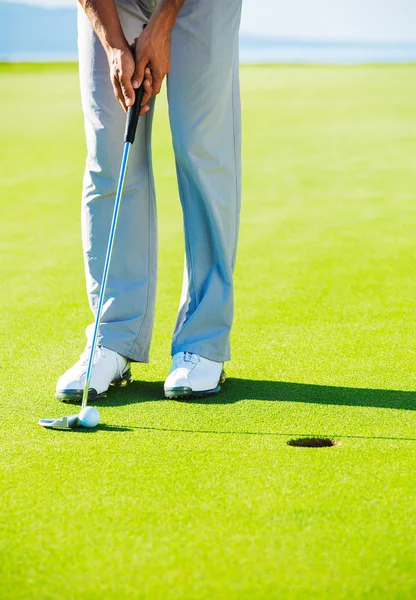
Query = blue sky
x=360 y=20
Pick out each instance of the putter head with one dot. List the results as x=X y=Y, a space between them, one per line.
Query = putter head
x=63 y=423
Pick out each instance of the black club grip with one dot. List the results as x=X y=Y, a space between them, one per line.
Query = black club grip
x=133 y=116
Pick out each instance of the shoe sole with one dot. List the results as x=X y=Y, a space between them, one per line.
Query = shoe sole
x=75 y=396
x=185 y=393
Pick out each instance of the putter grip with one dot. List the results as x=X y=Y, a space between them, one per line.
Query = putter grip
x=133 y=116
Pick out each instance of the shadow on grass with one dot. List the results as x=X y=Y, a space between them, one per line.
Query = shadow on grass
x=100 y=427
x=277 y=434
x=135 y=393
x=128 y=428
x=236 y=390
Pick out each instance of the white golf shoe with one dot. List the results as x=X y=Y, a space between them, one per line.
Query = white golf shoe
x=109 y=368
x=193 y=376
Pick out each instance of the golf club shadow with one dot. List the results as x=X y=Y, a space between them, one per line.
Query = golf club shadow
x=275 y=434
x=235 y=390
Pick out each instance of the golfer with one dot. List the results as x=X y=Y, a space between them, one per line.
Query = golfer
x=195 y=42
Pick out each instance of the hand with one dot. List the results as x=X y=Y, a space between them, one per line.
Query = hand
x=122 y=68
x=152 y=58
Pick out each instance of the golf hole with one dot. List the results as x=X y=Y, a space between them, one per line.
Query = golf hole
x=314 y=443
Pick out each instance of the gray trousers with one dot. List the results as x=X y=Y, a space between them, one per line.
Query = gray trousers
x=204 y=112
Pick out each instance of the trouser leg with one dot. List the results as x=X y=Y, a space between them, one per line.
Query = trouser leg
x=128 y=312
x=204 y=108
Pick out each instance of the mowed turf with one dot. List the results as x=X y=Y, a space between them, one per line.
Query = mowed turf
x=168 y=500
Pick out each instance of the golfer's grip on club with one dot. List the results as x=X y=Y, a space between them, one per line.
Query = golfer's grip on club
x=133 y=116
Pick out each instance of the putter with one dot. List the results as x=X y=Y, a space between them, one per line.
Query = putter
x=72 y=421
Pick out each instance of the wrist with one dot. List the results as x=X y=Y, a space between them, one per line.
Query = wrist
x=162 y=22
x=115 y=43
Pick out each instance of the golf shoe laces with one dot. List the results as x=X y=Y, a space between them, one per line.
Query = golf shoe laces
x=84 y=358
x=187 y=357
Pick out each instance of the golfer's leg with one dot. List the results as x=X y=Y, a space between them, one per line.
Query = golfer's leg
x=204 y=107
x=128 y=310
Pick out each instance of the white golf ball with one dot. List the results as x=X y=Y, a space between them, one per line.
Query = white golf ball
x=89 y=416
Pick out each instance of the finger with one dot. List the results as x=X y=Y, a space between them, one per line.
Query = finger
x=157 y=82
x=148 y=91
x=118 y=93
x=127 y=90
x=148 y=75
x=138 y=75
x=144 y=109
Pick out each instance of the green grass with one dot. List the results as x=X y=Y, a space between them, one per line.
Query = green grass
x=206 y=500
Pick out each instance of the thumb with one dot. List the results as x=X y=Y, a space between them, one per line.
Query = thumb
x=138 y=75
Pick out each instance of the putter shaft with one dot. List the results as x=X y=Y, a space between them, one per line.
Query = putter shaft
x=107 y=262
x=133 y=114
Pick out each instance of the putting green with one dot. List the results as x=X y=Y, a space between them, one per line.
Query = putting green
x=206 y=499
